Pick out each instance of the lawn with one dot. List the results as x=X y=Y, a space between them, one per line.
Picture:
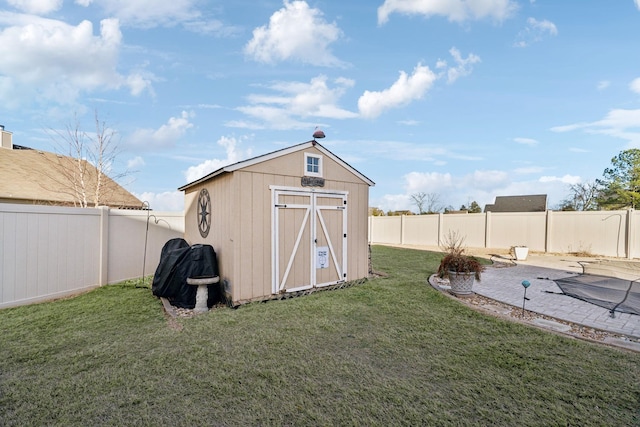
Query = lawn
x=392 y=351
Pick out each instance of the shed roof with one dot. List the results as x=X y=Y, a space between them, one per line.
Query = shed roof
x=276 y=154
x=33 y=176
x=525 y=203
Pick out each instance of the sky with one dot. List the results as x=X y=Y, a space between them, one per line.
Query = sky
x=464 y=100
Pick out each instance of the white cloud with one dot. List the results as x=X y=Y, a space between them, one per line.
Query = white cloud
x=428 y=182
x=637 y=4
x=401 y=150
x=165 y=136
x=463 y=67
x=454 y=10
x=37 y=7
x=568 y=128
x=295 y=32
x=149 y=13
x=543 y=26
x=393 y=202
x=154 y=13
x=635 y=84
x=621 y=119
x=529 y=170
x=481 y=186
x=135 y=162
x=526 y=141
x=402 y=92
x=294 y=103
x=139 y=82
x=566 y=179
x=55 y=61
x=618 y=123
x=409 y=88
x=409 y=122
x=485 y=180
x=535 y=31
x=168 y=201
x=212 y=165
x=211 y=27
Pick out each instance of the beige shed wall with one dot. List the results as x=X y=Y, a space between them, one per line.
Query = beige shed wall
x=293 y=165
x=241 y=220
x=223 y=221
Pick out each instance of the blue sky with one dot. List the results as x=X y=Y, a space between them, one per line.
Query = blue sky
x=463 y=99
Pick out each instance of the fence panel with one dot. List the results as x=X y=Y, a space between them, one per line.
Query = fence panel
x=387 y=229
x=420 y=230
x=509 y=229
x=605 y=233
x=598 y=232
x=48 y=252
x=127 y=234
x=470 y=226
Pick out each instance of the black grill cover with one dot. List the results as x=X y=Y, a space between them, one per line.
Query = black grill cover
x=179 y=261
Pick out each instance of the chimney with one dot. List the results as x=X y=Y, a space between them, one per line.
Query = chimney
x=6 y=138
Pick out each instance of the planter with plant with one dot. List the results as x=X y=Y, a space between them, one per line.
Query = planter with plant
x=462 y=270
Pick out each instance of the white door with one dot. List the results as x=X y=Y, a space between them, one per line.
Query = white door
x=309 y=239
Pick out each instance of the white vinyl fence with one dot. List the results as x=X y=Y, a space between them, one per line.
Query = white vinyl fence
x=605 y=233
x=48 y=252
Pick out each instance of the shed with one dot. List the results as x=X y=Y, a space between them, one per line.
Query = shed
x=288 y=221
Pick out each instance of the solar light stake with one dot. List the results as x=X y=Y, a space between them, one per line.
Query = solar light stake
x=526 y=284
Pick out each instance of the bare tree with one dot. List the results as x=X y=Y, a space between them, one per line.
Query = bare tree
x=583 y=197
x=433 y=203
x=419 y=199
x=426 y=202
x=83 y=163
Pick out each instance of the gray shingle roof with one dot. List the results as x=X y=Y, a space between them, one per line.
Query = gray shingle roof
x=526 y=203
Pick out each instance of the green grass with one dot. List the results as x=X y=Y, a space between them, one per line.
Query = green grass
x=392 y=351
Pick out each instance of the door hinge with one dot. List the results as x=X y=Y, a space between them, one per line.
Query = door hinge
x=281 y=206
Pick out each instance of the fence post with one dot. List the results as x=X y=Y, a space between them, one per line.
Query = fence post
x=630 y=234
x=547 y=232
x=402 y=229
x=487 y=229
x=103 y=261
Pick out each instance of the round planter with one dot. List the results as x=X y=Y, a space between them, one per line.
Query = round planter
x=461 y=283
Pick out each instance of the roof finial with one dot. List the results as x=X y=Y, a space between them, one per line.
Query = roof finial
x=318 y=134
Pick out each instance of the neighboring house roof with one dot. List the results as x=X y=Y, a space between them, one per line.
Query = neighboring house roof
x=526 y=203
x=276 y=154
x=36 y=177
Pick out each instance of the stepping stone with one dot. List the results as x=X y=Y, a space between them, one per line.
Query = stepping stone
x=550 y=324
x=497 y=309
x=619 y=342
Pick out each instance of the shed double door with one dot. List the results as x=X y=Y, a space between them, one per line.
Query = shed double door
x=309 y=239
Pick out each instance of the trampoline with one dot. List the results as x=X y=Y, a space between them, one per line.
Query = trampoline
x=614 y=285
